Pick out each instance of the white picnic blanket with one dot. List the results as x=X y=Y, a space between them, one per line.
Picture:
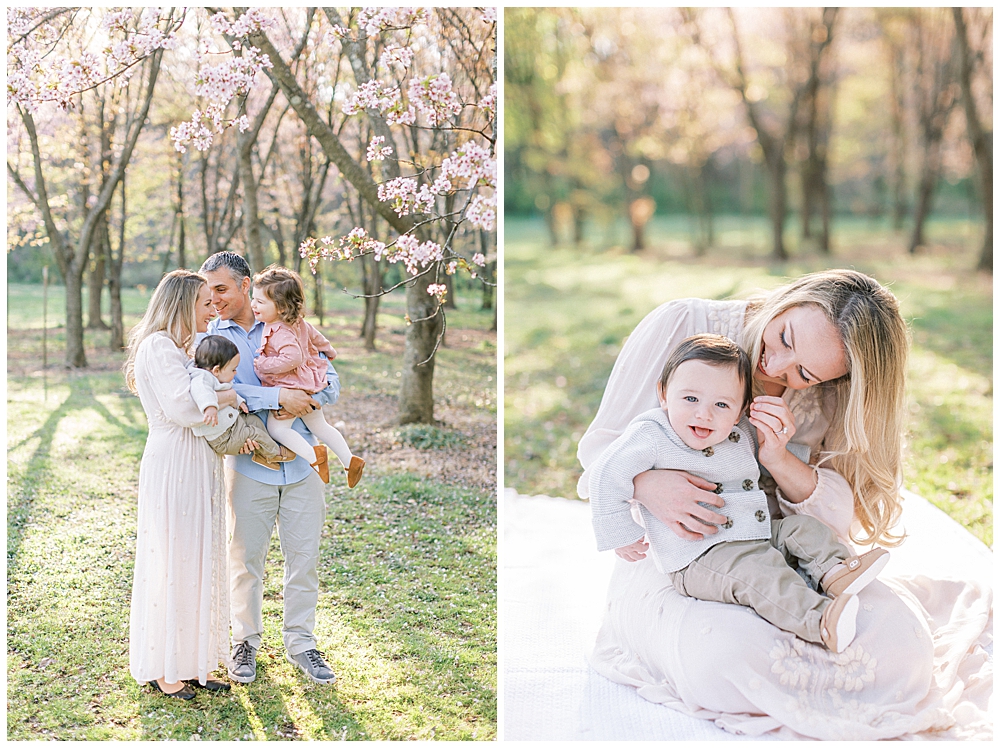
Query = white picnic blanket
x=554 y=588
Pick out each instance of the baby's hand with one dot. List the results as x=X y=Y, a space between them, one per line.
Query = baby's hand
x=211 y=417
x=634 y=552
x=243 y=407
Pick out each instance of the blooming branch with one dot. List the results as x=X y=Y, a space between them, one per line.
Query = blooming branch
x=31 y=39
x=219 y=84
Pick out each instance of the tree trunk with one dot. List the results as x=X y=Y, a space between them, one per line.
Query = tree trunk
x=251 y=215
x=550 y=224
x=897 y=147
x=579 y=218
x=807 y=201
x=76 y=356
x=925 y=194
x=181 y=249
x=416 y=395
x=489 y=271
x=117 y=342
x=981 y=138
x=95 y=279
x=706 y=219
x=372 y=284
x=318 y=304
x=777 y=205
x=825 y=211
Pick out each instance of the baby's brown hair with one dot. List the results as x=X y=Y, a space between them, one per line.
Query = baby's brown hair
x=283 y=287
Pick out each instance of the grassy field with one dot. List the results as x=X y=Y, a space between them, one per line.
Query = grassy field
x=568 y=311
x=407 y=610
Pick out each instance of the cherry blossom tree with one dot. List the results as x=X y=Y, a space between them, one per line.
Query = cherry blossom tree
x=52 y=69
x=420 y=78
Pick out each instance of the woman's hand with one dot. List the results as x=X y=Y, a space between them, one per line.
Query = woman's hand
x=672 y=497
x=634 y=552
x=775 y=428
x=248 y=447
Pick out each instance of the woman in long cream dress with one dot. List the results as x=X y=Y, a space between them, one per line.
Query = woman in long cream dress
x=830 y=352
x=179 y=623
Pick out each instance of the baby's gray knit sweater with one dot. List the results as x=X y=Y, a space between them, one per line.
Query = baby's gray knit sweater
x=650 y=443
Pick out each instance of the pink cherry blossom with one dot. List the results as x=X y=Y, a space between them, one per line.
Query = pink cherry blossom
x=489 y=102
x=482 y=212
x=396 y=56
x=438 y=290
x=433 y=97
x=472 y=165
x=376 y=151
x=406 y=197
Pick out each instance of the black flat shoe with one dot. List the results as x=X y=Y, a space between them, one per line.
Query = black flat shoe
x=184 y=693
x=211 y=684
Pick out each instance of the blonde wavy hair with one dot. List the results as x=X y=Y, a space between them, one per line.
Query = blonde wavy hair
x=171 y=310
x=864 y=442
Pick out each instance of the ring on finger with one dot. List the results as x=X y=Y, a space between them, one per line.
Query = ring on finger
x=784 y=430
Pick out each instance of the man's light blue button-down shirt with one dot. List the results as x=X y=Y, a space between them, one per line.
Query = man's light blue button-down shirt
x=260 y=398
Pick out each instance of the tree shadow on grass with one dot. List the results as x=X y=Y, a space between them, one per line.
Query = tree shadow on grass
x=259 y=710
x=37 y=471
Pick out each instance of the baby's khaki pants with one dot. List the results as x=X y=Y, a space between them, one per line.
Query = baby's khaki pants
x=757 y=574
x=246 y=426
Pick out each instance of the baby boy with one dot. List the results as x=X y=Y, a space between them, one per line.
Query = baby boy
x=704 y=391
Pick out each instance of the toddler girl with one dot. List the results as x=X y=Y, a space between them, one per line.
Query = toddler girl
x=289 y=356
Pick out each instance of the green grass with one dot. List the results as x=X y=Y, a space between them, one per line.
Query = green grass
x=568 y=311
x=407 y=609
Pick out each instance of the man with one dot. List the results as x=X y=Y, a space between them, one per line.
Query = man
x=258 y=497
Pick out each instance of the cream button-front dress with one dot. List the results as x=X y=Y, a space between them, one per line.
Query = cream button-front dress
x=179 y=621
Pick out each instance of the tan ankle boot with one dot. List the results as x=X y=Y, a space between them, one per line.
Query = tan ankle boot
x=322 y=464
x=354 y=471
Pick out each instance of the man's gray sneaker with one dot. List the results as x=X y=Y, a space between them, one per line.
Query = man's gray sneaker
x=243 y=664
x=311 y=663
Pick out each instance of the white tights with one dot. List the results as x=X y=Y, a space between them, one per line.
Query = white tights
x=281 y=431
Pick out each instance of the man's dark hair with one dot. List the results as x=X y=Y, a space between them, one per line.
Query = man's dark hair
x=716 y=350
x=238 y=266
x=214 y=350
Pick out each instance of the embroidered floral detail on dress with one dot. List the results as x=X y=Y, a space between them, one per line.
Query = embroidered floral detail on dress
x=853 y=669
x=805 y=406
x=789 y=664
